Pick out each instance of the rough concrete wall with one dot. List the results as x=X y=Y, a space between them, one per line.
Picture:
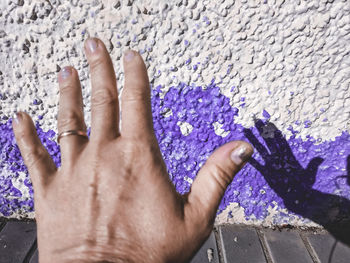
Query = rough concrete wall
x=272 y=72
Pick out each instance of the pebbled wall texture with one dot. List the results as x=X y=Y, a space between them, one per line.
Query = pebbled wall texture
x=273 y=72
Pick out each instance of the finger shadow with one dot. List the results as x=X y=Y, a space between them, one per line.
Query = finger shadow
x=294 y=183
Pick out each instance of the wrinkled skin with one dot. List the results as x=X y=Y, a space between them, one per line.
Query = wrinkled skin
x=112 y=199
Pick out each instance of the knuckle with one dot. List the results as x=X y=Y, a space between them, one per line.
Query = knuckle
x=34 y=155
x=97 y=62
x=136 y=95
x=222 y=177
x=66 y=88
x=69 y=120
x=130 y=147
x=132 y=150
x=22 y=133
x=104 y=96
x=145 y=146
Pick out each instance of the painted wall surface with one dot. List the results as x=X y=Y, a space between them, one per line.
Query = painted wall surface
x=273 y=72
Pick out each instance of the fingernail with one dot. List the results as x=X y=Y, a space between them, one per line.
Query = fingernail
x=91 y=44
x=129 y=55
x=241 y=154
x=65 y=72
x=17 y=118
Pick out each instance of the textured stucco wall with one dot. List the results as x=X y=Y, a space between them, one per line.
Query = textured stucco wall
x=273 y=72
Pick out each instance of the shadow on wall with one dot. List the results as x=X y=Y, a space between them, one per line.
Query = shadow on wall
x=294 y=184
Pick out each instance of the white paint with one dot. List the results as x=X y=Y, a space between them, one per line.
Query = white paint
x=281 y=46
x=18 y=182
x=188 y=179
x=219 y=131
x=185 y=127
x=234 y=214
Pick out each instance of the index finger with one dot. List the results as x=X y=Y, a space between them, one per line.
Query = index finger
x=136 y=110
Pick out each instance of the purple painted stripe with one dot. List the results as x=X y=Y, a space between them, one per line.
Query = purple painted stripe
x=288 y=174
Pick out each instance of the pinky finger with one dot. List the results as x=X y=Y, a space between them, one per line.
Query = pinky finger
x=38 y=161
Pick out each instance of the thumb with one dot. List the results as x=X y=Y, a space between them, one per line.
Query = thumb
x=313 y=165
x=311 y=169
x=212 y=180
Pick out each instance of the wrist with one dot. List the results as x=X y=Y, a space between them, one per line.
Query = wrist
x=91 y=254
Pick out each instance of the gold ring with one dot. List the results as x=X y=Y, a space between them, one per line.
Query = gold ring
x=72 y=132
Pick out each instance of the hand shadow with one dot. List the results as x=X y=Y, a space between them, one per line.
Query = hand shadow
x=293 y=183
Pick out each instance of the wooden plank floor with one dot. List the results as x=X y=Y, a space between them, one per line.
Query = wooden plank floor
x=226 y=244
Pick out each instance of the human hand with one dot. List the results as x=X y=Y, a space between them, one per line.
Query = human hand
x=112 y=199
